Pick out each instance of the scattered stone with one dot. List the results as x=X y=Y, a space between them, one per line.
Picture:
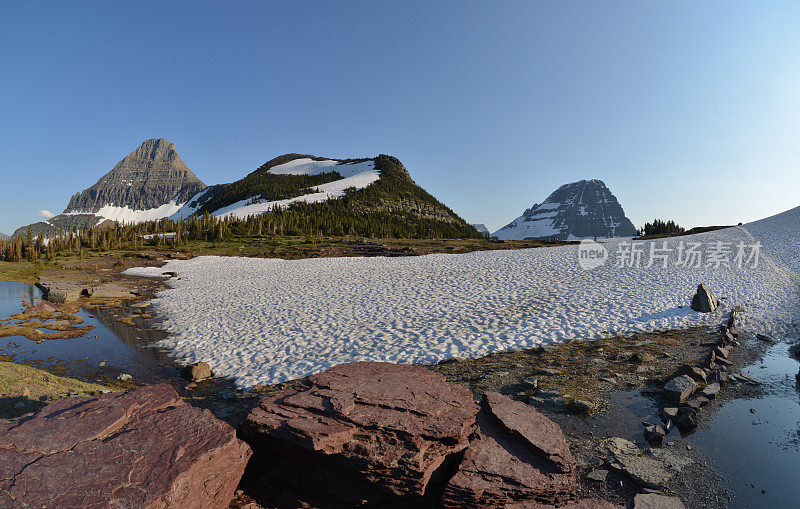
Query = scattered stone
x=124 y=377
x=654 y=434
x=703 y=301
x=531 y=382
x=191 y=385
x=597 y=475
x=711 y=390
x=197 y=372
x=669 y=413
x=656 y=501
x=102 y=364
x=624 y=456
x=679 y=388
x=697 y=374
x=547 y=371
x=581 y=406
x=141 y=448
x=744 y=377
x=643 y=357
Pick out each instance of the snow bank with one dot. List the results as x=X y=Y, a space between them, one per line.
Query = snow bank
x=269 y=320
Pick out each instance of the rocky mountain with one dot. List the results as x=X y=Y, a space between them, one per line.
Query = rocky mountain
x=584 y=209
x=481 y=228
x=152 y=182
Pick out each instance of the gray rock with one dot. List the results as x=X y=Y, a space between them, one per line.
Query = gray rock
x=669 y=414
x=679 y=388
x=597 y=475
x=124 y=377
x=711 y=390
x=703 y=301
x=626 y=457
x=531 y=382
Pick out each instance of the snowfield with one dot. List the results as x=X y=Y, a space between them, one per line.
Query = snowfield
x=269 y=320
x=355 y=175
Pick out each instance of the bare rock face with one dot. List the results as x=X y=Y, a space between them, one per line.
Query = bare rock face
x=365 y=432
x=519 y=456
x=144 y=448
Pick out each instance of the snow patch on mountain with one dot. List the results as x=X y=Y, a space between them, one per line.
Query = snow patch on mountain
x=356 y=175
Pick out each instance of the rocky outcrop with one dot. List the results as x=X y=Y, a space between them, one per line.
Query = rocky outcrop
x=584 y=209
x=144 y=448
x=703 y=301
x=401 y=435
x=518 y=455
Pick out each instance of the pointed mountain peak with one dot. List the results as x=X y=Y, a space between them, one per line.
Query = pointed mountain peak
x=156 y=149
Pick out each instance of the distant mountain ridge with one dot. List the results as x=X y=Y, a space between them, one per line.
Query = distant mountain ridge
x=3 y=236
x=579 y=210
x=150 y=183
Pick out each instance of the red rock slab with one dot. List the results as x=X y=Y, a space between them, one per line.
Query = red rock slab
x=366 y=432
x=143 y=448
x=584 y=503
x=519 y=456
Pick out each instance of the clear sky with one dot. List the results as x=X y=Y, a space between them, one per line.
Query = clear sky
x=687 y=110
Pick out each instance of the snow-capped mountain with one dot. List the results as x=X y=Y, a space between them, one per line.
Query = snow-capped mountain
x=584 y=209
x=152 y=182
x=481 y=228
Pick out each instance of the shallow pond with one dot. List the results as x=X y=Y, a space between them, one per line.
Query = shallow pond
x=109 y=349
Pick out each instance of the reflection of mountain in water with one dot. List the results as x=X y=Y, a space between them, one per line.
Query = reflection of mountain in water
x=139 y=337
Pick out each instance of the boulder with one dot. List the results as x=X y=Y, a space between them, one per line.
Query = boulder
x=518 y=456
x=197 y=372
x=362 y=433
x=711 y=390
x=624 y=456
x=703 y=301
x=656 y=501
x=42 y=306
x=142 y=448
x=654 y=434
x=679 y=388
x=697 y=374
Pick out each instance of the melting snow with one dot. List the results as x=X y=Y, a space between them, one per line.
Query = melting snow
x=269 y=320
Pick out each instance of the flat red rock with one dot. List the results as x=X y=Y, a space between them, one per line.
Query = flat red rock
x=143 y=448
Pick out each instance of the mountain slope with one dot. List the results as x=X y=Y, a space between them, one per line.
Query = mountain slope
x=3 y=236
x=151 y=183
x=583 y=209
x=324 y=191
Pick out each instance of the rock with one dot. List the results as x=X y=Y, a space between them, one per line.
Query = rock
x=643 y=357
x=362 y=433
x=794 y=351
x=703 y=301
x=697 y=374
x=624 y=456
x=669 y=414
x=687 y=421
x=227 y=394
x=656 y=501
x=547 y=371
x=679 y=388
x=531 y=382
x=142 y=448
x=124 y=377
x=191 y=385
x=654 y=434
x=581 y=406
x=197 y=372
x=711 y=390
x=597 y=475
x=169 y=273
x=519 y=455
x=42 y=306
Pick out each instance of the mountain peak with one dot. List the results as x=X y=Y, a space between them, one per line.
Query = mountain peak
x=156 y=149
x=582 y=209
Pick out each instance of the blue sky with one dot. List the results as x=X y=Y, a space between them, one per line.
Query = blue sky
x=687 y=110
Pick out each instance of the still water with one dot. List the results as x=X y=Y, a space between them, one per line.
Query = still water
x=118 y=347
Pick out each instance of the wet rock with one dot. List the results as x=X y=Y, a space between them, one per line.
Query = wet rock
x=711 y=390
x=703 y=301
x=362 y=433
x=626 y=457
x=581 y=406
x=42 y=306
x=549 y=400
x=518 y=456
x=696 y=403
x=765 y=338
x=654 y=434
x=124 y=377
x=697 y=374
x=679 y=388
x=656 y=501
x=142 y=448
x=686 y=420
x=197 y=372
x=669 y=413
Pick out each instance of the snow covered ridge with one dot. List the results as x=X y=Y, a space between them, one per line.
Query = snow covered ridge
x=128 y=215
x=354 y=175
x=270 y=320
x=584 y=209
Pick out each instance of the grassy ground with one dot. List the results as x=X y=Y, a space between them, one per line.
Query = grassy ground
x=26 y=389
x=22 y=272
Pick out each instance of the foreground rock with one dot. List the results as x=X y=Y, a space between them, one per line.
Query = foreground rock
x=197 y=372
x=655 y=501
x=381 y=433
x=143 y=448
x=703 y=301
x=627 y=458
x=518 y=455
